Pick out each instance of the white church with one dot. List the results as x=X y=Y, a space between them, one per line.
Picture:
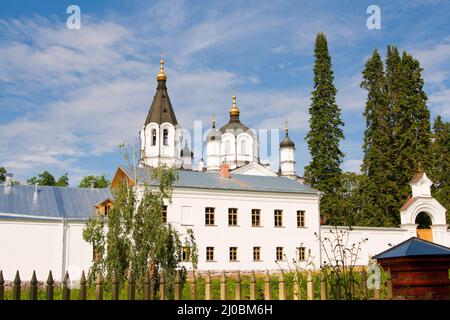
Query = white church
x=244 y=215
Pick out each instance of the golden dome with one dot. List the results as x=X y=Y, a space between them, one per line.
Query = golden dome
x=234 y=110
x=162 y=74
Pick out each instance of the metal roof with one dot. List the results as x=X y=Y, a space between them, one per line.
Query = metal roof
x=238 y=182
x=49 y=202
x=414 y=247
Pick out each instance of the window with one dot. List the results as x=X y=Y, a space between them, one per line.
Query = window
x=209 y=216
x=166 y=137
x=232 y=217
x=186 y=254
x=153 y=137
x=256 y=253
x=278 y=217
x=256 y=217
x=243 y=151
x=300 y=218
x=164 y=214
x=233 y=253
x=279 y=254
x=209 y=253
x=301 y=253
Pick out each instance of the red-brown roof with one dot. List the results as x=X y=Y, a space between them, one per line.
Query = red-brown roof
x=417 y=177
x=408 y=203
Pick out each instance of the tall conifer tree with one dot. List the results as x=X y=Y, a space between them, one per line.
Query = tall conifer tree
x=440 y=173
x=378 y=186
x=324 y=136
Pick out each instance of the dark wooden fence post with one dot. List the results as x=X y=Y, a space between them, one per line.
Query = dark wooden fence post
x=162 y=286
x=267 y=291
x=131 y=286
x=363 y=285
x=83 y=289
x=147 y=286
x=238 y=287
x=2 y=286
x=16 y=286
x=66 y=289
x=33 y=287
x=99 y=287
x=115 y=287
x=223 y=286
x=253 y=286
x=177 y=286
x=323 y=286
x=194 y=286
x=50 y=289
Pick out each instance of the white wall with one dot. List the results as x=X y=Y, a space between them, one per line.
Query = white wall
x=244 y=236
x=28 y=245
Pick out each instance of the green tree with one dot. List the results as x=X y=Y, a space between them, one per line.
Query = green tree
x=99 y=181
x=136 y=238
x=352 y=197
x=2 y=174
x=410 y=127
x=47 y=179
x=44 y=179
x=378 y=187
x=63 y=181
x=324 y=136
x=440 y=172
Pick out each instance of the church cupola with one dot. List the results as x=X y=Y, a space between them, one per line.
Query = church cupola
x=234 y=111
x=186 y=157
x=160 y=135
x=287 y=155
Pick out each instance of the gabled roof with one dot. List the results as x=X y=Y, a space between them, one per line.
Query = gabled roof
x=161 y=110
x=414 y=247
x=213 y=180
x=252 y=166
x=49 y=202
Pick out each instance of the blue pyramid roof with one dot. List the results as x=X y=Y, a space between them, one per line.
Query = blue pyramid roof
x=414 y=247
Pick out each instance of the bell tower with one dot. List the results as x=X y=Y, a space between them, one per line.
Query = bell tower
x=160 y=134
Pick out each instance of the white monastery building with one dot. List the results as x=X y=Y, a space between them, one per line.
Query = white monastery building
x=244 y=215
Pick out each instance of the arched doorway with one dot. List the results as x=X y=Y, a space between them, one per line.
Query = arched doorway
x=424 y=226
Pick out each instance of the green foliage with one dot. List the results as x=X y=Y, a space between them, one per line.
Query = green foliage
x=136 y=238
x=324 y=136
x=397 y=135
x=99 y=181
x=47 y=179
x=2 y=174
x=440 y=158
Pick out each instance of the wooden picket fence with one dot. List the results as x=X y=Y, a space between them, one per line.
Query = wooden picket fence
x=19 y=290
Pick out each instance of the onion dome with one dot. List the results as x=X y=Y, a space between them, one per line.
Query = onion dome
x=234 y=125
x=287 y=142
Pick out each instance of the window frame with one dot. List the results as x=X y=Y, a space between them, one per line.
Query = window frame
x=257 y=251
x=166 y=137
x=278 y=218
x=233 y=254
x=210 y=216
x=232 y=217
x=164 y=214
x=256 y=217
x=210 y=254
x=277 y=251
x=301 y=219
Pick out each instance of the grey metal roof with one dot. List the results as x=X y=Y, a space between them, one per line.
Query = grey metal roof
x=49 y=202
x=414 y=247
x=241 y=182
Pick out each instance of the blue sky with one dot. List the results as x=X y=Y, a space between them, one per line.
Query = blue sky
x=68 y=98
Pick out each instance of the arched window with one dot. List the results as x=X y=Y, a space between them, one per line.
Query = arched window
x=227 y=147
x=153 y=137
x=243 y=147
x=166 y=137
